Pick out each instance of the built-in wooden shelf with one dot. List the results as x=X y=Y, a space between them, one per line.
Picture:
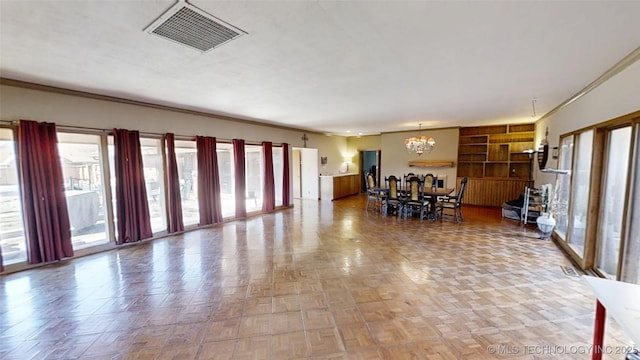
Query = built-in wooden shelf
x=496 y=151
x=431 y=163
x=493 y=159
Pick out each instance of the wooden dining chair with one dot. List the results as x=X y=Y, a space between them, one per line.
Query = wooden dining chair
x=414 y=201
x=429 y=180
x=453 y=202
x=405 y=180
x=375 y=197
x=393 y=201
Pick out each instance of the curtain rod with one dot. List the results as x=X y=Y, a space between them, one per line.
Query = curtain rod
x=151 y=134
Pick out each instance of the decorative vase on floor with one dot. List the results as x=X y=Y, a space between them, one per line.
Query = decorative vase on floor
x=546 y=223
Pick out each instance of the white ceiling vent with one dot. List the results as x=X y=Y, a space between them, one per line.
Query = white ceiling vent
x=185 y=24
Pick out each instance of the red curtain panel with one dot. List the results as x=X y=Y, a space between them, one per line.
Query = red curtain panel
x=45 y=215
x=174 y=200
x=132 y=209
x=209 y=202
x=240 y=181
x=286 y=195
x=269 y=192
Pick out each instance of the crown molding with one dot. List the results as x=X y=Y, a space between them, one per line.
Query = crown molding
x=624 y=63
x=95 y=96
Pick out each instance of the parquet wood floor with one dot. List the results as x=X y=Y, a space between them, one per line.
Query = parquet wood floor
x=320 y=281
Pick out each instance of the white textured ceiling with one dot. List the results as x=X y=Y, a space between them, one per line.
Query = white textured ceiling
x=329 y=66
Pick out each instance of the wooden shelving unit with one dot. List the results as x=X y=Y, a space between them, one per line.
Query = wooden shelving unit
x=495 y=151
x=493 y=159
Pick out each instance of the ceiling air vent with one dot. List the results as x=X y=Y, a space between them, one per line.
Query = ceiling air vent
x=185 y=24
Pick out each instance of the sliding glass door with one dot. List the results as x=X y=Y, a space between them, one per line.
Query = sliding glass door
x=12 y=241
x=631 y=255
x=186 y=159
x=254 y=170
x=153 y=167
x=277 y=173
x=613 y=201
x=82 y=168
x=564 y=187
x=573 y=189
x=580 y=194
x=227 y=174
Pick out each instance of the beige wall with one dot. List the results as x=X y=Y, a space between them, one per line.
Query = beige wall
x=335 y=150
x=67 y=110
x=618 y=96
x=357 y=144
x=395 y=158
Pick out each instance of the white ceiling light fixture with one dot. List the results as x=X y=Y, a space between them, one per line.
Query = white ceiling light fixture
x=419 y=144
x=190 y=26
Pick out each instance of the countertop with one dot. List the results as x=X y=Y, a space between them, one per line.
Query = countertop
x=337 y=175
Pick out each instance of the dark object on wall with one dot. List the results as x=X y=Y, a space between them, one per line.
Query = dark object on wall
x=554 y=152
x=543 y=151
x=543 y=156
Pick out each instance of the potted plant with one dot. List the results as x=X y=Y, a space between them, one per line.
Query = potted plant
x=546 y=221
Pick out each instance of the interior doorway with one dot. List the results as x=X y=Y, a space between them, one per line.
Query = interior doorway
x=369 y=162
x=297 y=181
x=305 y=173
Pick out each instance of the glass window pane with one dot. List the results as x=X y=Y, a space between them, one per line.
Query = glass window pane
x=112 y=182
x=154 y=180
x=227 y=188
x=612 y=202
x=564 y=187
x=12 y=240
x=580 y=193
x=254 y=173
x=277 y=173
x=186 y=157
x=631 y=260
x=82 y=172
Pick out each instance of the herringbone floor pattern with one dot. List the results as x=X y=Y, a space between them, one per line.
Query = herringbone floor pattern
x=322 y=280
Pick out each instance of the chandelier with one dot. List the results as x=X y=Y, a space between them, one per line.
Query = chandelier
x=419 y=144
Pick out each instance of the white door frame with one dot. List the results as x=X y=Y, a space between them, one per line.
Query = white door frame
x=309 y=173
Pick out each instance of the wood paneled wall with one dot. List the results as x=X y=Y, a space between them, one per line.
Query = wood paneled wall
x=491 y=192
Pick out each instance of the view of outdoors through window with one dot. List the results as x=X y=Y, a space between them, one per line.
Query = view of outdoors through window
x=11 y=229
x=580 y=202
x=84 y=180
x=631 y=264
x=254 y=175
x=83 y=188
x=153 y=164
x=187 y=161
x=612 y=201
x=277 y=173
x=564 y=187
x=227 y=188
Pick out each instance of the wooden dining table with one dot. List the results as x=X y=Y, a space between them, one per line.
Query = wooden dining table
x=432 y=195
